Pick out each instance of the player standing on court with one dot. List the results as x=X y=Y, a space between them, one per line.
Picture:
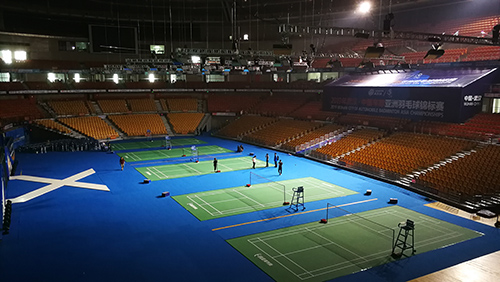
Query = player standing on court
x=122 y=162
x=215 y=164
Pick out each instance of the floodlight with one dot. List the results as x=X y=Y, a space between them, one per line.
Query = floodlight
x=51 y=76
x=245 y=37
x=364 y=7
x=77 y=78
x=195 y=59
x=6 y=56
x=151 y=78
x=20 y=55
x=115 y=78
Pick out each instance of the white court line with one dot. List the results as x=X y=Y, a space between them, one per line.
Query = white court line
x=226 y=167
x=293 y=262
x=191 y=168
x=207 y=204
x=258 y=203
x=155 y=168
x=135 y=157
x=201 y=206
x=431 y=241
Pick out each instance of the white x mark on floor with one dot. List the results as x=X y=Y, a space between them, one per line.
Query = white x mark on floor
x=55 y=184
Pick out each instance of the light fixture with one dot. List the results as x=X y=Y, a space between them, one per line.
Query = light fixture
x=151 y=78
x=195 y=59
x=435 y=52
x=245 y=37
x=20 y=55
x=6 y=56
x=77 y=78
x=364 y=7
x=115 y=78
x=51 y=77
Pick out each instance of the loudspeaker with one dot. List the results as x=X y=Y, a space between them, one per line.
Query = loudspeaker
x=165 y=194
x=393 y=201
x=368 y=192
x=146 y=181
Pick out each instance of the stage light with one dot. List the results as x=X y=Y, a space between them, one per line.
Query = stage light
x=115 y=78
x=77 y=78
x=245 y=37
x=434 y=52
x=364 y=7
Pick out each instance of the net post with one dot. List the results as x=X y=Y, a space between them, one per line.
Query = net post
x=325 y=220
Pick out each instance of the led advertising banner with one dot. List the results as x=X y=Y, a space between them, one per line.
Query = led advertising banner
x=449 y=96
x=415 y=78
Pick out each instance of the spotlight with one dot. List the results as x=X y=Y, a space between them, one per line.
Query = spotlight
x=364 y=7
x=434 y=52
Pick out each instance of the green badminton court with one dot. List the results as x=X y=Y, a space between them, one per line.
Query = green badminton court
x=189 y=168
x=119 y=146
x=344 y=245
x=173 y=153
x=270 y=194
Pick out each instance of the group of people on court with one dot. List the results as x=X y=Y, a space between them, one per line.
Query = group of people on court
x=277 y=163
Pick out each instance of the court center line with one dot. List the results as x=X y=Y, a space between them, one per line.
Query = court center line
x=287 y=215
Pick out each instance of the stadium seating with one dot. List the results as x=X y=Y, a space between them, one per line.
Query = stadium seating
x=313 y=110
x=19 y=109
x=51 y=124
x=470 y=175
x=69 y=108
x=113 y=106
x=182 y=104
x=405 y=152
x=280 y=104
x=142 y=105
x=314 y=136
x=281 y=131
x=375 y=121
x=232 y=102
x=245 y=125
x=138 y=124
x=185 y=123
x=91 y=126
x=348 y=143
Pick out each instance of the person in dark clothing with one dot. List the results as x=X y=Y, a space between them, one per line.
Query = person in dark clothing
x=267 y=160
x=122 y=162
x=254 y=160
x=276 y=159
x=215 y=164
x=280 y=167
